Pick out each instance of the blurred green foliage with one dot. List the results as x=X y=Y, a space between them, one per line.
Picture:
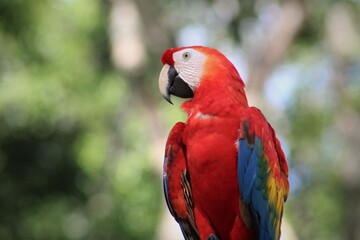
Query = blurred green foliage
x=63 y=171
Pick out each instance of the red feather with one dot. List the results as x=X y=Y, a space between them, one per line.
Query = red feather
x=209 y=151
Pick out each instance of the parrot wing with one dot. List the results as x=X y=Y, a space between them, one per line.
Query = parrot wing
x=176 y=183
x=262 y=175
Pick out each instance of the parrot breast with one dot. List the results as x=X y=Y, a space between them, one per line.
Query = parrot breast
x=211 y=158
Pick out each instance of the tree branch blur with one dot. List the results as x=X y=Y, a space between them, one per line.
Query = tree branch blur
x=264 y=58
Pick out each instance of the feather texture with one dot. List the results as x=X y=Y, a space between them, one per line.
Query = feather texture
x=176 y=184
x=216 y=189
x=262 y=173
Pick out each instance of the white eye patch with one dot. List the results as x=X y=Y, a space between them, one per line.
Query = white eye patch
x=189 y=64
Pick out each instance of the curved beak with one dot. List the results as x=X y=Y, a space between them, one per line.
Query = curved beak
x=164 y=83
x=170 y=83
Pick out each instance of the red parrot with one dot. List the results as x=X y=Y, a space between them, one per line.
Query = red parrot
x=225 y=175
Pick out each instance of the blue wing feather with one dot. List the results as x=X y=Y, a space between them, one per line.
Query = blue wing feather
x=257 y=185
x=249 y=178
x=252 y=185
x=243 y=163
x=166 y=193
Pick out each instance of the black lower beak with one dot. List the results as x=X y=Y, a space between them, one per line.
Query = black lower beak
x=177 y=86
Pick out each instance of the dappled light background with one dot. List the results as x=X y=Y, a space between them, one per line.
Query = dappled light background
x=83 y=126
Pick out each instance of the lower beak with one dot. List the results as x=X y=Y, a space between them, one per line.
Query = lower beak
x=170 y=83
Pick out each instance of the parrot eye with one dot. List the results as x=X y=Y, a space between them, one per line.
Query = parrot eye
x=186 y=55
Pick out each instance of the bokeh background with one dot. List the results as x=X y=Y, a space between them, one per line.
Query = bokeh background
x=83 y=126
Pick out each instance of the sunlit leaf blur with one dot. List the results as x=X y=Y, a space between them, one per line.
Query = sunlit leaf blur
x=83 y=126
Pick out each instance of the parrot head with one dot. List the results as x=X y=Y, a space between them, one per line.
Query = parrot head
x=186 y=68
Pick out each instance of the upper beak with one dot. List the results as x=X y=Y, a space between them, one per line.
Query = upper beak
x=164 y=84
x=171 y=83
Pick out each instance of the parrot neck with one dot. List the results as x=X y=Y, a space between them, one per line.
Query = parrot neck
x=215 y=97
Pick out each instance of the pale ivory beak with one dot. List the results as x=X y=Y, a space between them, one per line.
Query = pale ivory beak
x=164 y=82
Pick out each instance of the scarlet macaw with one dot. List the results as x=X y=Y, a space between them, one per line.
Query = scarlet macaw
x=225 y=175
